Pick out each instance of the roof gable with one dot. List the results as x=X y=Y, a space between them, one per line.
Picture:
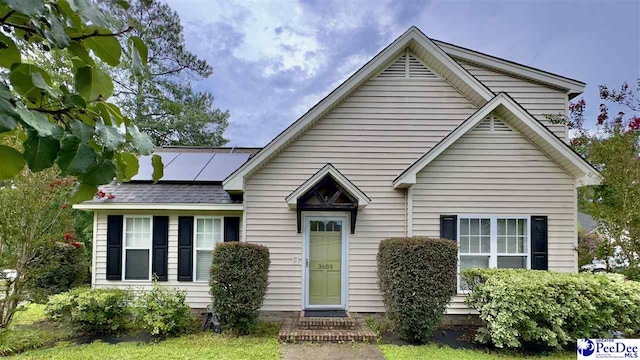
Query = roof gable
x=328 y=170
x=423 y=49
x=524 y=123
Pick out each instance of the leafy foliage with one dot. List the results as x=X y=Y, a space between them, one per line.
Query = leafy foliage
x=239 y=278
x=590 y=246
x=33 y=216
x=57 y=268
x=63 y=117
x=160 y=97
x=92 y=311
x=544 y=308
x=162 y=311
x=614 y=148
x=417 y=277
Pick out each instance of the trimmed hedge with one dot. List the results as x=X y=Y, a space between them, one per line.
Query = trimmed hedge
x=417 y=277
x=543 y=308
x=239 y=278
x=92 y=311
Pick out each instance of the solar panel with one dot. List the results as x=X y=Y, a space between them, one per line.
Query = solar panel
x=145 y=171
x=221 y=166
x=186 y=166
x=192 y=166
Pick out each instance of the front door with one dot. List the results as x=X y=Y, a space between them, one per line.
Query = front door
x=325 y=238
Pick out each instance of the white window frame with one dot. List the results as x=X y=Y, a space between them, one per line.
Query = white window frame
x=195 y=242
x=125 y=247
x=493 y=247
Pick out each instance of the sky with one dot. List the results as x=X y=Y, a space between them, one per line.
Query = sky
x=273 y=60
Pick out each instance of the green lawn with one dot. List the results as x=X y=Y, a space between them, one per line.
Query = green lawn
x=30 y=331
x=263 y=345
x=434 y=352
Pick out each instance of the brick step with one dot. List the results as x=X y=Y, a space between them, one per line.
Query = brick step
x=324 y=323
x=325 y=330
x=296 y=335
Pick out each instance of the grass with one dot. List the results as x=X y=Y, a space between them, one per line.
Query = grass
x=434 y=352
x=262 y=345
x=29 y=330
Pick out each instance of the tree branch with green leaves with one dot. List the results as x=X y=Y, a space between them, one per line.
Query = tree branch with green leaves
x=73 y=126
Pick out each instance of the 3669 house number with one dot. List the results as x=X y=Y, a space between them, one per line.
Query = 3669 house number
x=325 y=266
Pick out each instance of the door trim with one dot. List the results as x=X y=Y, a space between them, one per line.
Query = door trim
x=345 y=260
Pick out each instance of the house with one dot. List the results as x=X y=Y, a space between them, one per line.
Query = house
x=426 y=139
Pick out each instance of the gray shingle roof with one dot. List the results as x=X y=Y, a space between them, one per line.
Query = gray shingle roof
x=169 y=193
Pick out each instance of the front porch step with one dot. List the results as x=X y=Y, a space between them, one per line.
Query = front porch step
x=317 y=329
x=326 y=323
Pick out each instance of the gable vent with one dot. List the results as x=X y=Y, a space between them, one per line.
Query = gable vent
x=493 y=125
x=417 y=70
x=395 y=70
x=407 y=67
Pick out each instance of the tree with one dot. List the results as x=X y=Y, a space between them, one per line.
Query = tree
x=614 y=148
x=160 y=98
x=75 y=129
x=34 y=216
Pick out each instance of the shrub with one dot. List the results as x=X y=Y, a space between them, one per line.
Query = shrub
x=92 y=311
x=58 y=268
x=239 y=278
x=162 y=311
x=417 y=277
x=543 y=308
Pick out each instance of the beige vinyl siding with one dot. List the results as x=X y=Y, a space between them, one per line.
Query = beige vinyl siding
x=370 y=138
x=197 y=292
x=535 y=98
x=498 y=174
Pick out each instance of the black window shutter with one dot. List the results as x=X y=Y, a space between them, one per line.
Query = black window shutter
x=449 y=227
x=114 y=247
x=539 y=243
x=231 y=228
x=160 y=247
x=185 y=248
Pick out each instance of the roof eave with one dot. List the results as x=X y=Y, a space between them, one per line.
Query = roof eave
x=157 y=206
x=571 y=86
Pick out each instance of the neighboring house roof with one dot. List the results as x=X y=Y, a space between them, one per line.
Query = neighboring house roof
x=587 y=222
x=196 y=164
x=363 y=199
x=527 y=125
x=419 y=44
x=164 y=196
x=571 y=86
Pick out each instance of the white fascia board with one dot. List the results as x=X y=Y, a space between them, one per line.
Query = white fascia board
x=363 y=199
x=571 y=86
x=235 y=181
x=158 y=206
x=590 y=177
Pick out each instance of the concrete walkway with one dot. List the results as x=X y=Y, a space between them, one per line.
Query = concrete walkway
x=331 y=351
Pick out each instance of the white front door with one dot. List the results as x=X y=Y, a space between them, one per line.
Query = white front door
x=325 y=283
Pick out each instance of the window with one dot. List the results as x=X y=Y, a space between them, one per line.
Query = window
x=137 y=248
x=492 y=242
x=208 y=233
